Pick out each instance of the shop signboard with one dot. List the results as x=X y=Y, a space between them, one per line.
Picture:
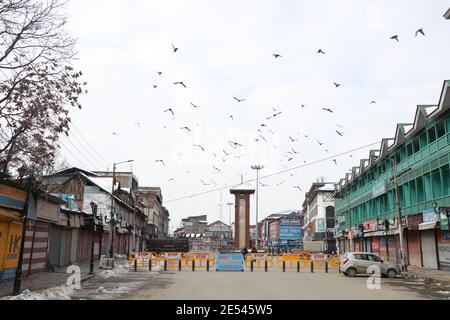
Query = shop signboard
x=290 y=232
x=229 y=262
x=320 y=225
x=443 y=217
x=430 y=215
x=11 y=197
x=413 y=221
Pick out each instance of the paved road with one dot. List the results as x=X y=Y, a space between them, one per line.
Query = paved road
x=253 y=286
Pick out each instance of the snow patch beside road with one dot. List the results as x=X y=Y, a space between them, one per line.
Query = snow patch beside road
x=55 y=293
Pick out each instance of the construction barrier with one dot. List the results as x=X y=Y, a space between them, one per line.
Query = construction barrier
x=259 y=261
x=201 y=260
x=142 y=260
x=172 y=260
x=254 y=261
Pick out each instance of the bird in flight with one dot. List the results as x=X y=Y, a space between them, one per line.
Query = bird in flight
x=174 y=48
x=263 y=138
x=335 y=161
x=204 y=183
x=186 y=128
x=170 y=109
x=263 y=125
x=276 y=55
x=181 y=82
x=155 y=86
x=194 y=105
x=159 y=72
x=217 y=169
x=161 y=162
x=235 y=144
x=420 y=31
x=327 y=109
x=337 y=85
x=339 y=133
x=273 y=116
x=199 y=146
x=227 y=154
x=171 y=180
x=263 y=185
x=114 y=133
x=295 y=152
x=238 y=100
x=232 y=118
x=320 y=143
x=292 y=140
x=290 y=159
x=298 y=187
x=321 y=51
x=302 y=106
x=395 y=38
x=373 y=102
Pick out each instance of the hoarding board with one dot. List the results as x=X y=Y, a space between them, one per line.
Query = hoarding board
x=11 y=197
x=290 y=232
x=230 y=262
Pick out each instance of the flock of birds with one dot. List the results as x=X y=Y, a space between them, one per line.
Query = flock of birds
x=264 y=132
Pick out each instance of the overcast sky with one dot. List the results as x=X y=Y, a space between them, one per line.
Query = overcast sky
x=226 y=50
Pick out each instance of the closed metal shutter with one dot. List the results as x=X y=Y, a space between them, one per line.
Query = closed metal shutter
x=54 y=245
x=414 y=254
x=429 y=249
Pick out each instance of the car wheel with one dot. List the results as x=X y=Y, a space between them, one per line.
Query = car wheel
x=391 y=273
x=351 y=272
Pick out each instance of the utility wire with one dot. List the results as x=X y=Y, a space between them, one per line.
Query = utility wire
x=76 y=158
x=89 y=145
x=273 y=174
x=76 y=148
x=102 y=164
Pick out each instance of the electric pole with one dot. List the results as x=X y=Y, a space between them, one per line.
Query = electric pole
x=257 y=168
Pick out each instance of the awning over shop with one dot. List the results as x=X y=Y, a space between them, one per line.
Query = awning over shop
x=7 y=215
x=428 y=225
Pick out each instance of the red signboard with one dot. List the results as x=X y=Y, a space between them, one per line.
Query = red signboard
x=413 y=221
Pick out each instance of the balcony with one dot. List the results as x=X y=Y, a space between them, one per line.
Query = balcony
x=417 y=159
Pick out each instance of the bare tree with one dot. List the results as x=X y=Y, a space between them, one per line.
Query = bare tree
x=38 y=84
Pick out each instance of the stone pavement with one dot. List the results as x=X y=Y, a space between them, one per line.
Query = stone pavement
x=45 y=280
x=428 y=275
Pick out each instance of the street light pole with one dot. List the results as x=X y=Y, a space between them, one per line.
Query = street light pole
x=257 y=168
x=113 y=222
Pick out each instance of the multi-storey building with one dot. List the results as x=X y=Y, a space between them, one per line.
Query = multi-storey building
x=400 y=188
x=318 y=213
x=157 y=214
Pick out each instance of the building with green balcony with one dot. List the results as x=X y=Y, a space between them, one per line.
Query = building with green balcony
x=404 y=185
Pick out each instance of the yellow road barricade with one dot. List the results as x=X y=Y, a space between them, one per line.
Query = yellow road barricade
x=259 y=261
x=201 y=260
x=172 y=260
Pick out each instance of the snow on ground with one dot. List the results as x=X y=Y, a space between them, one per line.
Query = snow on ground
x=55 y=293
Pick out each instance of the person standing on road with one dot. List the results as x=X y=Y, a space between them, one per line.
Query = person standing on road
x=244 y=252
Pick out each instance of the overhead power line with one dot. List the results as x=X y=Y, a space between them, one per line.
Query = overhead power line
x=272 y=174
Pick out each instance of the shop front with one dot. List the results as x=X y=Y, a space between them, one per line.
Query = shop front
x=12 y=201
x=428 y=239
x=443 y=235
x=411 y=224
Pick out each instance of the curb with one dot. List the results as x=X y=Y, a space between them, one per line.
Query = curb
x=425 y=278
x=87 y=277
